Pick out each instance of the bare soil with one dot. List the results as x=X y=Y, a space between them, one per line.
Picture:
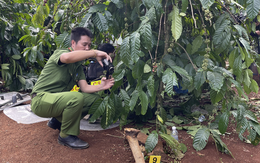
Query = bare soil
x=37 y=143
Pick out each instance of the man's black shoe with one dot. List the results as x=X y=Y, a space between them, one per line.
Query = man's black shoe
x=73 y=142
x=54 y=124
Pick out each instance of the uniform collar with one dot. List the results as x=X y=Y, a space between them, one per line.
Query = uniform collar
x=70 y=49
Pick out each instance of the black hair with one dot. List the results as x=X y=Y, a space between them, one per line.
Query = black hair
x=77 y=32
x=106 y=47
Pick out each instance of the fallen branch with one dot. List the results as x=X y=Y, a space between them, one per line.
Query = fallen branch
x=131 y=136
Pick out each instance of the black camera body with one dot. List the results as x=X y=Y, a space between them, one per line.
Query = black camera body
x=108 y=67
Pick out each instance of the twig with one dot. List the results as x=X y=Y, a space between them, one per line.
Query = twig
x=203 y=23
x=187 y=56
x=150 y=55
x=193 y=14
x=120 y=132
x=115 y=136
x=158 y=37
x=228 y=11
x=166 y=42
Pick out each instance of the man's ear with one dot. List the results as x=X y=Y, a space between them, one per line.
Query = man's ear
x=73 y=43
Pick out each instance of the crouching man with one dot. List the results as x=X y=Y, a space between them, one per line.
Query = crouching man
x=51 y=96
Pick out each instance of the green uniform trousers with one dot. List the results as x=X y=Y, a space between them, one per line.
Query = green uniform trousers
x=67 y=107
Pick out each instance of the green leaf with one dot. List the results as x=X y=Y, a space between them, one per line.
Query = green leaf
x=125 y=51
x=241 y=127
x=199 y=79
x=250 y=115
x=223 y=122
x=201 y=138
x=85 y=21
x=150 y=85
x=58 y=15
x=163 y=114
x=254 y=86
x=255 y=126
x=224 y=44
x=146 y=36
x=221 y=146
x=126 y=99
x=175 y=119
x=207 y=3
x=197 y=42
x=170 y=124
x=256 y=141
x=183 y=148
x=98 y=109
x=138 y=69
x=176 y=24
x=42 y=12
x=170 y=79
x=244 y=43
x=171 y=142
x=253 y=7
x=119 y=76
x=182 y=14
x=135 y=46
x=242 y=31
x=21 y=79
x=237 y=70
x=246 y=78
x=216 y=80
x=220 y=33
x=59 y=40
x=118 y=3
x=169 y=60
x=232 y=56
x=151 y=14
x=147 y=68
x=215 y=96
x=101 y=22
x=33 y=54
x=16 y=57
x=144 y=102
x=133 y=100
x=151 y=142
x=97 y=8
x=185 y=4
x=5 y=66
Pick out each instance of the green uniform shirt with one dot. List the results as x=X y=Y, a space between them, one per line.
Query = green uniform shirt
x=59 y=78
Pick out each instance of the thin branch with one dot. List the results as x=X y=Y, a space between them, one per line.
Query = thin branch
x=158 y=38
x=165 y=29
x=228 y=11
x=188 y=56
x=203 y=23
x=193 y=14
x=51 y=20
x=150 y=55
x=115 y=136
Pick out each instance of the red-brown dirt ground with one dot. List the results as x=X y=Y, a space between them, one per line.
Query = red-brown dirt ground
x=37 y=143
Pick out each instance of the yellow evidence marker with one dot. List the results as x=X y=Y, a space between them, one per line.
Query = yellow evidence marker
x=155 y=159
x=76 y=88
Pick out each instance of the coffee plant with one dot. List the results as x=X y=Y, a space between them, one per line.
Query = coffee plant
x=160 y=44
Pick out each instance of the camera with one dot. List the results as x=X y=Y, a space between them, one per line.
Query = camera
x=108 y=68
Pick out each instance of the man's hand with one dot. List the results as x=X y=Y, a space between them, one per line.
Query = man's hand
x=106 y=83
x=257 y=32
x=100 y=55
